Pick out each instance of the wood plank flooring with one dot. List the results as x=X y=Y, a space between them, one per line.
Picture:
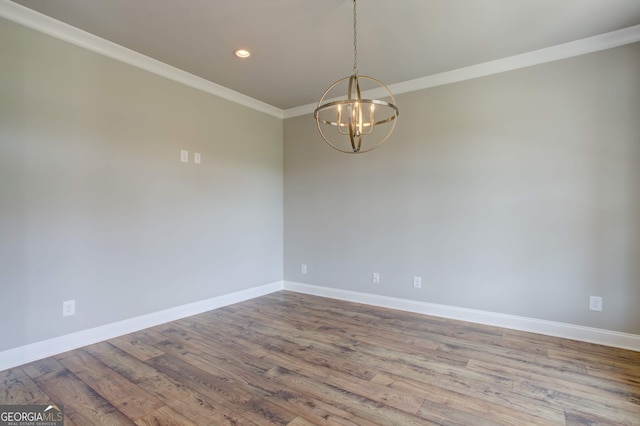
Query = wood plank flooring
x=298 y=360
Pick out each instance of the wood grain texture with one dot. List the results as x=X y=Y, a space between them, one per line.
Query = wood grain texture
x=299 y=360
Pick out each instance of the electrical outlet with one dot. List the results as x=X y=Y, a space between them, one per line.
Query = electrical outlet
x=184 y=156
x=68 y=308
x=376 y=278
x=595 y=303
x=417 y=282
x=197 y=157
x=303 y=268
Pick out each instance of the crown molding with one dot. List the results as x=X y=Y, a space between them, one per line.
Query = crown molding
x=60 y=30
x=52 y=27
x=550 y=54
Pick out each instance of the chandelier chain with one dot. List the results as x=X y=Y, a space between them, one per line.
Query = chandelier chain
x=355 y=39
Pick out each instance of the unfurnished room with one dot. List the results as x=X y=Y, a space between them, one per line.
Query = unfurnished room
x=320 y=212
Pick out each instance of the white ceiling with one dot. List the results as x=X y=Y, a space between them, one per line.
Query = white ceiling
x=299 y=47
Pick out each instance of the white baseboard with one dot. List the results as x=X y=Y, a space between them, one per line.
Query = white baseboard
x=549 y=328
x=39 y=350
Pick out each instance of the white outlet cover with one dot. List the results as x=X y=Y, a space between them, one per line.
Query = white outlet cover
x=68 y=308
x=197 y=158
x=375 y=277
x=184 y=156
x=595 y=303
x=417 y=282
x=303 y=268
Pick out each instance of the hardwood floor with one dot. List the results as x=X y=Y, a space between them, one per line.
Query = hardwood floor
x=293 y=359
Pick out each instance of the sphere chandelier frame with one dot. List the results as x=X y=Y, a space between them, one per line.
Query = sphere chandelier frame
x=355 y=116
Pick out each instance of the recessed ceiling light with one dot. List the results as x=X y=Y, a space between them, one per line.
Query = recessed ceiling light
x=242 y=53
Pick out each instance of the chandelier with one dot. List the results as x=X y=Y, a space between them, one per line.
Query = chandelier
x=354 y=124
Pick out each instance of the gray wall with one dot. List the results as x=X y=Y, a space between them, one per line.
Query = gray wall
x=517 y=193
x=96 y=206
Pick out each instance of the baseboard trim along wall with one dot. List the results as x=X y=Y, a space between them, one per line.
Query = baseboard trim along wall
x=39 y=350
x=549 y=328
